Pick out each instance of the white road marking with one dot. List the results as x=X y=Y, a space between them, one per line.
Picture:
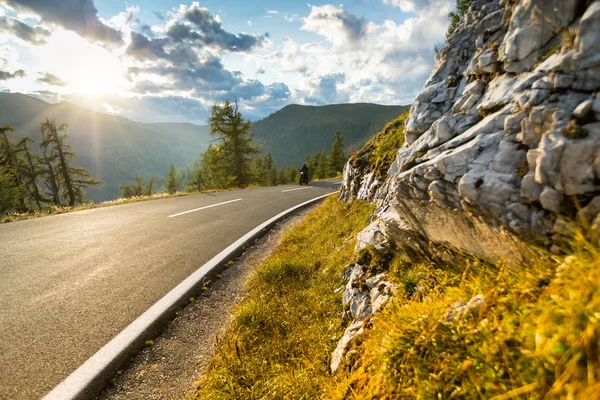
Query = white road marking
x=291 y=190
x=203 y=208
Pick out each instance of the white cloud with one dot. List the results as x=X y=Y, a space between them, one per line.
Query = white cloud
x=386 y=62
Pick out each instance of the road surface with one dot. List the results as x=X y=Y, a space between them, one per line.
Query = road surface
x=71 y=282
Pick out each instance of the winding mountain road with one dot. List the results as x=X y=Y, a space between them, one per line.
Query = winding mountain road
x=71 y=282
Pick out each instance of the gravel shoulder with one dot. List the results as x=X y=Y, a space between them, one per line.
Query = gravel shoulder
x=169 y=367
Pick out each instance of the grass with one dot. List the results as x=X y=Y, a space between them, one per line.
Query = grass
x=380 y=151
x=122 y=200
x=537 y=334
x=88 y=206
x=280 y=339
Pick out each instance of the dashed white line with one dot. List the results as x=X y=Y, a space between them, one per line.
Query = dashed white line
x=203 y=208
x=291 y=190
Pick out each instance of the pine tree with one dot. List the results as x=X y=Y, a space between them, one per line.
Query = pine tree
x=196 y=183
x=322 y=165
x=337 y=159
x=31 y=172
x=172 y=184
x=58 y=157
x=212 y=161
x=237 y=144
x=13 y=188
x=150 y=187
x=271 y=170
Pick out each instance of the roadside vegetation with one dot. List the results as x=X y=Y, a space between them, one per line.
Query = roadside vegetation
x=458 y=327
x=533 y=332
x=43 y=180
x=380 y=152
x=281 y=335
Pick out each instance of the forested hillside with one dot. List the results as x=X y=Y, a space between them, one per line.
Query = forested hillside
x=112 y=148
x=294 y=131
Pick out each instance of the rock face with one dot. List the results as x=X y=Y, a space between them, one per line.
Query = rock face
x=503 y=141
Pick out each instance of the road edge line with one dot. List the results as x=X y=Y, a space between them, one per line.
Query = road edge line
x=90 y=378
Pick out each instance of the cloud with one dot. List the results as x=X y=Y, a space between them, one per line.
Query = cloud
x=324 y=90
x=143 y=48
x=80 y=16
x=261 y=71
x=4 y=75
x=34 y=35
x=50 y=79
x=336 y=24
x=364 y=61
x=413 y=5
x=292 y=18
x=272 y=12
x=159 y=15
x=195 y=25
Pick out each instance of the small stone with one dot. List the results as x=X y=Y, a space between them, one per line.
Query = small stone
x=512 y=123
x=475 y=303
x=583 y=109
x=562 y=81
x=543 y=83
x=596 y=104
x=551 y=199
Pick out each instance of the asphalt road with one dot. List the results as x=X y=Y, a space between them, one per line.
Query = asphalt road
x=71 y=282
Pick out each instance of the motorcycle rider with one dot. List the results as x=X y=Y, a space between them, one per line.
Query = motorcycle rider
x=304 y=170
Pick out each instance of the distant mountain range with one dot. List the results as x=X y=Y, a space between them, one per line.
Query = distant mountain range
x=294 y=131
x=115 y=149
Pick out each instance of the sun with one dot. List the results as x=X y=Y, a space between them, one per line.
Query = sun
x=86 y=68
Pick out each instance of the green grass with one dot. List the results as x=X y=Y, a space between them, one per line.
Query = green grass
x=380 y=151
x=281 y=337
x=536 y=336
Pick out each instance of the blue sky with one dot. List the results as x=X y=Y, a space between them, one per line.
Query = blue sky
x=157 y=60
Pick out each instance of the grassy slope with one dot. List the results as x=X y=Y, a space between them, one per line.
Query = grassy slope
x=537 y=334
x=294 y=131
x=281 y=336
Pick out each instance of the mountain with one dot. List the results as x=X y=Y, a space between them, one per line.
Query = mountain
x=113 y=148
x=294 y=131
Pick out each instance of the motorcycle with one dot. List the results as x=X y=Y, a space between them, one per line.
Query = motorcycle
x=303 y=178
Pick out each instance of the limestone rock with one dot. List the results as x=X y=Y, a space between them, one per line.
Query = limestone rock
x=337 y=357
x=587 y=42
x=492 y=157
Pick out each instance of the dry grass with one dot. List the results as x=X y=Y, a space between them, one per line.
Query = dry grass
x=91 y=205
x=282 y=335
x=536 y=336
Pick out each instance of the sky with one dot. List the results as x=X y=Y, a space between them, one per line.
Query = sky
x=171 y=60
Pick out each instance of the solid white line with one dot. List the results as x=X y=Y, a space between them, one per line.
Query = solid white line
x=291 y=190
x=87 y=380
x=202 y=208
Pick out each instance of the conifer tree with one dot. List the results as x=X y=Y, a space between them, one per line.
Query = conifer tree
x=58 y=157
x=237 y=144
x=337 y=159
x=172 y=184
x=322 y=165
x=150 y=187
x=196 y=183
x=13 y=185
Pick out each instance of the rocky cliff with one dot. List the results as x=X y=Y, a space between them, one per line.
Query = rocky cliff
x=504 y=138
x=502 y=146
